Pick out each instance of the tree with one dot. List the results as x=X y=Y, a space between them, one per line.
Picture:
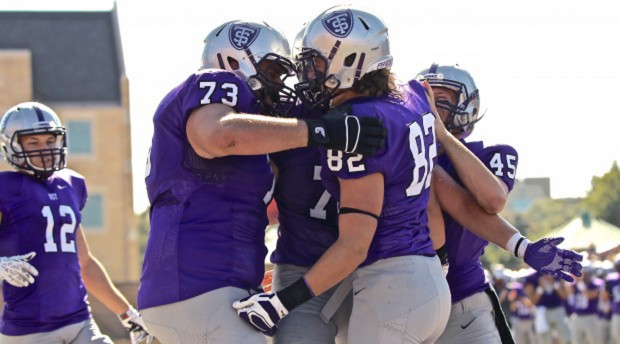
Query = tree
x=604 y=198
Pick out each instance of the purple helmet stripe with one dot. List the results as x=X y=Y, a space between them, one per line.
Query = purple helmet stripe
x=334 y=50
x=247 y=51
x=39 y=113
x=433 y=69
x=358 y=69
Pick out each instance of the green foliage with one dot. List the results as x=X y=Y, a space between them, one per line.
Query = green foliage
x=548 y=214
x=604 y=198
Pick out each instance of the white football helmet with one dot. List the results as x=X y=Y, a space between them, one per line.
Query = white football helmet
x=350 y=41
x=28 y=119
x=466 y=112
x=239 y=46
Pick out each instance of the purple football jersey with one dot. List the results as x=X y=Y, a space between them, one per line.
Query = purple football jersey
x=466 y=274
x=521 y=311
x=208 y=216
x=613 y=287
x=307 y=213
x=405 y=163
x=43 y=217
x=583 y=305
x=550 y=297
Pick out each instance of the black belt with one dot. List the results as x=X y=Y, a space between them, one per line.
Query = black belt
x=500 y=319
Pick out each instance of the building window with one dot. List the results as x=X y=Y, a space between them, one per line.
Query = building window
x=92 y=214
x=79 y=137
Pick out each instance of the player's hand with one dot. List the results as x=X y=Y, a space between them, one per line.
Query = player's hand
x=440 y=127
x=339 y=131
x=17 y=271
x=544 y=256
x=263 y=311
x=267 y=281
x=134 y=324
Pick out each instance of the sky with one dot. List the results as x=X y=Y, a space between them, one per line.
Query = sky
x=548 y=71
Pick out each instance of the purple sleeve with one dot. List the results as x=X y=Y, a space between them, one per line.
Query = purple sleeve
x=78 y=183
x=351 y=166
x=502 y=160
x=217 y=86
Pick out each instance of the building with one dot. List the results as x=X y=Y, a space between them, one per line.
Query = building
x=72 y=61
x=526 y=191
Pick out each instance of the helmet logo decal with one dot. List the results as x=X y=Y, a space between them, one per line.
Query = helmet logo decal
x=241 y=36
x=339 y=23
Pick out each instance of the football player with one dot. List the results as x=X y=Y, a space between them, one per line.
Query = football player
x=209 y=181
x=476 y=316
x=308 y=226
x=383 y=234
x=45 y=261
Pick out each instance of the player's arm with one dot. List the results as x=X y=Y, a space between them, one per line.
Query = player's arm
x=97 y=280
x=459 y=204
x=216 y=130
x=487 y=189
x=98 y=283
x=356 y=229
x=542 y=255
x=436 y=223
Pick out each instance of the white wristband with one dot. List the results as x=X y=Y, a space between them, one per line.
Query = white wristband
x=523 y=247
x=510 y=246
x=517 y=239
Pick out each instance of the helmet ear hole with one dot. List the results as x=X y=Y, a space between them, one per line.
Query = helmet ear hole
x=348 y=61
x=233 y=63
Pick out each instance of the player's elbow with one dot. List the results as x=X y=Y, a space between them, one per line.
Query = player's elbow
x=495 y=204
x=213 y=142
x=357 y=251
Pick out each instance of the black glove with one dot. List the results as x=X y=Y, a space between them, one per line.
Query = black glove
x=339 y=131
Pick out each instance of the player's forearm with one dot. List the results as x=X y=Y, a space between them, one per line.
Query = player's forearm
x=345 y=255
x=338 y=262
x=489 y=191
x=216 y=130
x=98 y=283
x=241 y=134
x=460 y=205
x=436 y=223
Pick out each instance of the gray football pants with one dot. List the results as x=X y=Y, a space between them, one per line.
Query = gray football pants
x=304 y=325
x=84 y=332
x=206 y=318
x=472 y=321
x=399 y=300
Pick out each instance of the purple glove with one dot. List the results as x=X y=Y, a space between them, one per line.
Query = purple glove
x=544 y=256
